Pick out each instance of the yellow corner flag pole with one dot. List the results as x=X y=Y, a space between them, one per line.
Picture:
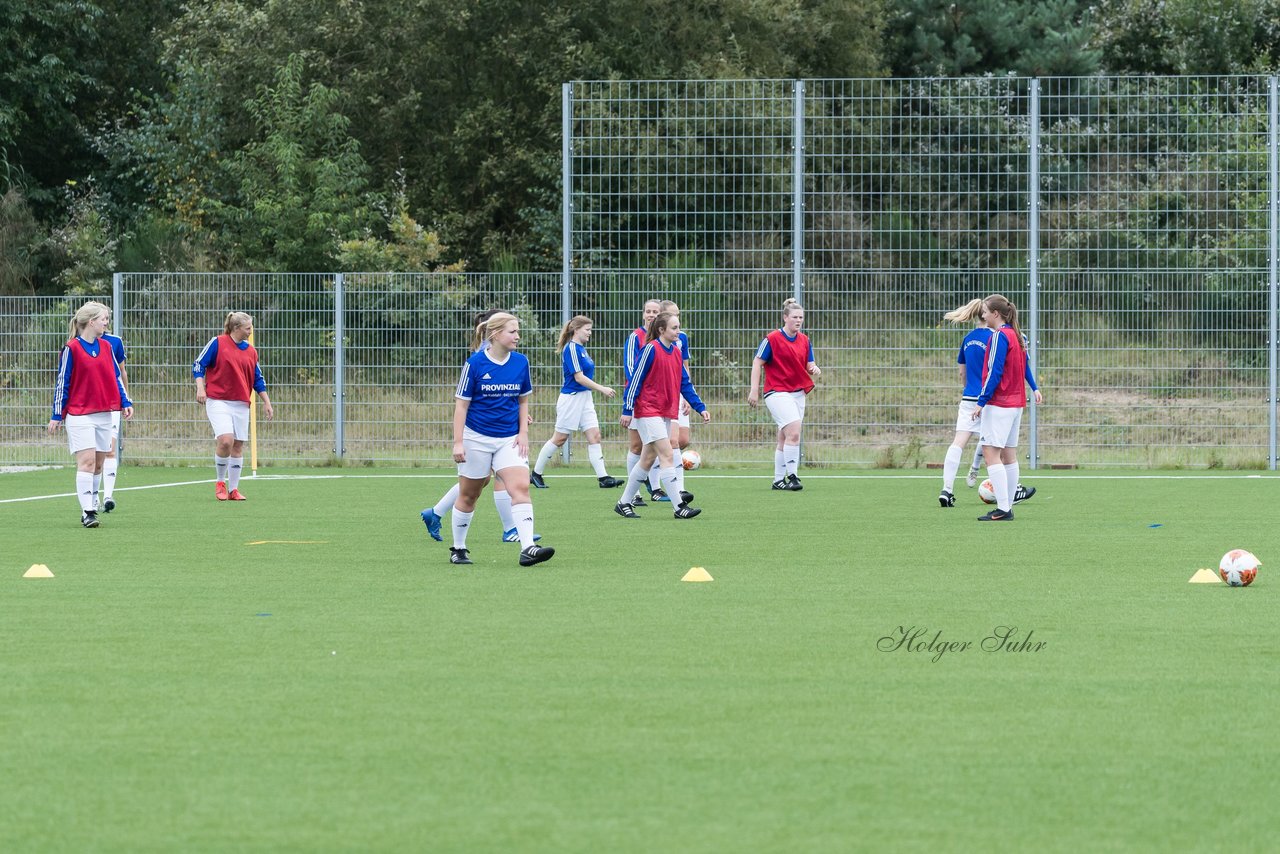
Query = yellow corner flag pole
x=253 y=427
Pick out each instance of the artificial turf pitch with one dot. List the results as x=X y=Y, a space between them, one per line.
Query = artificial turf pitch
x=305 y=670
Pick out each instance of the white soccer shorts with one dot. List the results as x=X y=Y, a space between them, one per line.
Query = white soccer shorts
x=228 y=416
x=786 y=407
x=1000 y=425
x=488 y=453
x=89 y=431
x=652 y=429
x=575 y=412
x=965 y=422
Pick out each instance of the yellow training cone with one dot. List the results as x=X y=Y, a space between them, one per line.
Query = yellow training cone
x=1205 y=576
x=697 y=573
x=38 y=570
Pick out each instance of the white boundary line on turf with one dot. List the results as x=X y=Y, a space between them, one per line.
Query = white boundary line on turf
x=1036 y=473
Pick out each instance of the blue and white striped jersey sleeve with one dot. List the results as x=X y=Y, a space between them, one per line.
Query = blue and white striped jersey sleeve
x=1030 y=375
x=631 y=356
x=259 y=383
x=465 y=387
x=764 y=352
x=63 y=384
x=207 y=357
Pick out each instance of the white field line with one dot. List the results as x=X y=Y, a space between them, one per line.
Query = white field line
x=1037 y=475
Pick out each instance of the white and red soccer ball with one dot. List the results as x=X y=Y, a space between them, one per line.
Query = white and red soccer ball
x=987 y=492
x=690 y=459
x=1239 y=568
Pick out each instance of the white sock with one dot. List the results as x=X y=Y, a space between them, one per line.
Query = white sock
x=445 y=504
x=977 y=458
x=951 y=465
x=632 y=459
x=234 y=466
x=635 y=477
x=1000 y=484
x=791 y=458
x=502 y=500
x=523 y=514
x=109 y=467
x=595 y=454
x=84 y=490
x=461 y=524
x=1011 y=476
x=97 y=487
x=220 y=466
x=779 y=465
x=544 y=456
x=671 y=483
x=655 y=476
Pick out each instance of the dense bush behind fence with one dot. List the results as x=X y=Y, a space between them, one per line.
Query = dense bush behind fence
x=1134 y=221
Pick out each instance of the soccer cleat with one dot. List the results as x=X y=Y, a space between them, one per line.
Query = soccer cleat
x=639 y=501
x=220 y=491
x=109 y=504
x=685 y=497
x=432 y=521
x=795 y=483
x=608 y=482
x=536 y=554
x=684 y=511
x=659 y=495
x=946 y=499
x=997 y=515
x=626 y=511
x=971 y=479
x=536 y=480
x=89 y=519
x=236 y=496
x=1022 y=493
x=459 y=556
x=781 y=485
x=513 y=536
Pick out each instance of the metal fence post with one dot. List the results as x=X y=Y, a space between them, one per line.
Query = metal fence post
x=797 y=193
x=1273 y=225
x=1033 y=257
x=339 y=366
x=117 y=326
x=566 y=217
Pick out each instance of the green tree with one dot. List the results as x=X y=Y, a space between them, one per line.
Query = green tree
x=1033 y=38
x=300 y=186
x=1188 y=36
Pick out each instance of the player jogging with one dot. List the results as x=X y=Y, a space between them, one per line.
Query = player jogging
x=226 y=373
x=650 y=403
x=575 y=408
x=787 y=383
x=110 y=466
x=87 y=391
x=630 y=358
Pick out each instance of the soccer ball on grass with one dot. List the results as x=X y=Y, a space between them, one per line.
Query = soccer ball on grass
x=1239 y=568
x=987 y=492
x=690 y=459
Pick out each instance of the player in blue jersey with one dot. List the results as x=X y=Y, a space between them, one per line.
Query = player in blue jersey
x=575 y=408
x=491 y=434
x=433 y=517
x=630 y=358
x=974 y=350
x=110 y=466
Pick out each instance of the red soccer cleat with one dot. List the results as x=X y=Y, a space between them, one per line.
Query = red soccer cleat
x=236 y=496
x=220 y=491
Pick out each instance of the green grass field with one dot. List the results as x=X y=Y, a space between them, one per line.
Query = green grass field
x=342 y=687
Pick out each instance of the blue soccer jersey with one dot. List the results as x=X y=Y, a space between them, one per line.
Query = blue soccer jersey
x=574 y=359
x=494 y=391
x=973 y=355
x=117 y=346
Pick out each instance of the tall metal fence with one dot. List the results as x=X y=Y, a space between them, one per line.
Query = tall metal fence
x=1133 y=221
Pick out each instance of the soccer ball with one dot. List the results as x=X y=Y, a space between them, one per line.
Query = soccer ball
x=1239 y=567
x=690 y=459
x=987 y=492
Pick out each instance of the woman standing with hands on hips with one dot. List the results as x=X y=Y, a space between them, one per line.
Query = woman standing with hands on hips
x=787 y=383
x=226 y=373
x=491 y=434
x=575 y=408
x=650 y=404
x=88 y=391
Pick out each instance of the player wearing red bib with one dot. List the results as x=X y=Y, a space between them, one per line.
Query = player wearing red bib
x=788 y=379
x=226 y=372
x=88 y=391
